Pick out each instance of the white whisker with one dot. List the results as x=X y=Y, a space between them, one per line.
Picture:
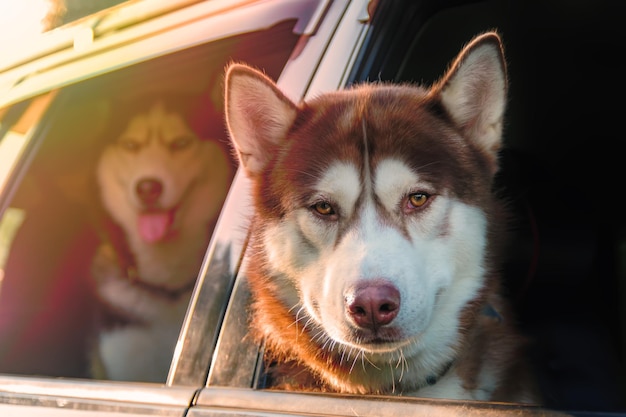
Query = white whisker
x=372 y=363
x=393 y=380
x=295 y=322
x=402 y=363
x=343 y=354
x=356 y=357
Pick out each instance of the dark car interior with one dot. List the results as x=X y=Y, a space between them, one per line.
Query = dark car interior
x=561 y=172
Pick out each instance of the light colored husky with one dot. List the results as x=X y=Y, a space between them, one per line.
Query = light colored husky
x=373 y=264
x=164 y=187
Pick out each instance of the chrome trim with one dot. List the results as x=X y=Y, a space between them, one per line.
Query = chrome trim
x=344 y=48
x=67 y=394
x=242 y=402
x=317 y=17
x=198 y=337
x=236 y=363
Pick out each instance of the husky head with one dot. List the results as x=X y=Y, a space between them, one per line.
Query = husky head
x=164 y=186
x=373 y=206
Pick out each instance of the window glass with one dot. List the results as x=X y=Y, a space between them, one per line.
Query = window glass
x=105 y=234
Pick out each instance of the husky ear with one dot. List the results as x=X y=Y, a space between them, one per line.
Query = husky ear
x=474 y=92
x=258 y=116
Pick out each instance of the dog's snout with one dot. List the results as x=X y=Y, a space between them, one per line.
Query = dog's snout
x=149 y=190
x=373 y=304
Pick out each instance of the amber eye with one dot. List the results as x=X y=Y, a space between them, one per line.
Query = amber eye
x=418 y=199
x=129 y=144
x=180 y=142
x=324 y=208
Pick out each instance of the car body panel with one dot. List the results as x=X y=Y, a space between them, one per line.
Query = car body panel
x=53 y=397
x=263 y=403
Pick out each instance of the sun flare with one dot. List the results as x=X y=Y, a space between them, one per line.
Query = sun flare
x=20 y=19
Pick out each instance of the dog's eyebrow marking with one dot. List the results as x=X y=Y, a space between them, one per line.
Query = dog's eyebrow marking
x=392 y=180
x=342 y=184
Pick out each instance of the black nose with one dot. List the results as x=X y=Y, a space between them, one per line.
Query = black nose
x=373 y=304
x=149 y=190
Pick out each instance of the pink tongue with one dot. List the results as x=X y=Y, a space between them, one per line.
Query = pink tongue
x=154 y=226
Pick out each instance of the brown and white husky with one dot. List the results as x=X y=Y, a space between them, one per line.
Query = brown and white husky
x=163 y=188
x=372 y=263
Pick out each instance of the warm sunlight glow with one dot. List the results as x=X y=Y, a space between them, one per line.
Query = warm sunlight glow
x=20 y=19
x=9 y=225
x=10 y=147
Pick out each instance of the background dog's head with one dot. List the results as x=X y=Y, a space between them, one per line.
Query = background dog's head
x=159 y=181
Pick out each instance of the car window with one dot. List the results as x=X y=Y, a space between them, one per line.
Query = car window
x=109 y=214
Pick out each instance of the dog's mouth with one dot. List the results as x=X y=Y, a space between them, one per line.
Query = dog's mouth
x=156 y=225
x=379 y=339
x=376 y=345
